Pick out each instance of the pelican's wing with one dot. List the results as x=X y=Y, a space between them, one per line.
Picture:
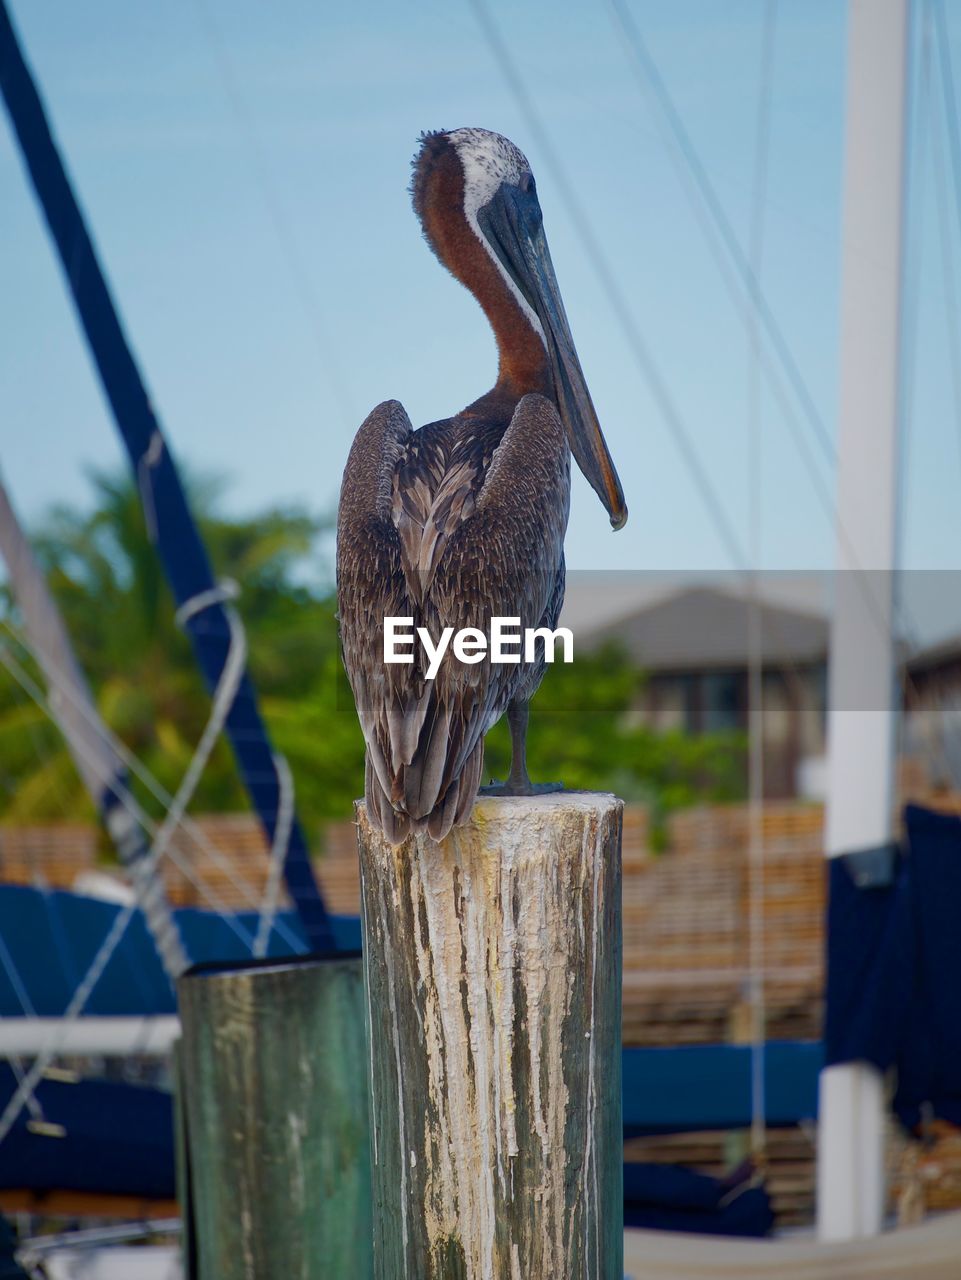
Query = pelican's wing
x=476 y=549
x=501 y=560
x=371 y=585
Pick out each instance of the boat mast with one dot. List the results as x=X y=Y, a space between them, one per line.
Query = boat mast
x=88 y=740
x=200 y=599
x=862 y=700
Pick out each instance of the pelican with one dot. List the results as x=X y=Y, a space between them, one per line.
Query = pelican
x=464 y=519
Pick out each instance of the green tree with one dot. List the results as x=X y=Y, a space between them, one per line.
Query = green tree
x=105 y=574
x=107 y=579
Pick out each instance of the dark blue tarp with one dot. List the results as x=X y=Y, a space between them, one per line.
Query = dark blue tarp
x=697 y=1087
x=119 y=1136
x=119 y=1140
x=49 y=937
x=665 y=1198
x=894 y=969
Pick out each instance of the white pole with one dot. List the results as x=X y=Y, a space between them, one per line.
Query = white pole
x=861 y=724
x=121 y=1037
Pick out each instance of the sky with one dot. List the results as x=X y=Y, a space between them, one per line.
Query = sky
x=244 y=171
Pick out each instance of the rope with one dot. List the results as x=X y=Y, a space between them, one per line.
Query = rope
x=223 y=699
x=140 y=771
x=125 y=832
x=222 y=593
x=27 y=1005
x=129 y=801
x=278 y=855
x=224 y=695
x=16 y=981
x=148 y=461
x=28 y=1084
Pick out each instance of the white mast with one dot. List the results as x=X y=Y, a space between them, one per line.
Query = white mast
x=862 y=718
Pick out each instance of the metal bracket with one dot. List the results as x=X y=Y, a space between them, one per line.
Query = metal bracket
x=873 y=868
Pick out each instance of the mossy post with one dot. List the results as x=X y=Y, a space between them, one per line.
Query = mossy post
x=275 y=1138
x=493 y=974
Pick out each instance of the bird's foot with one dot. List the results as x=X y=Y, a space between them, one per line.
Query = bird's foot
x=509 y=788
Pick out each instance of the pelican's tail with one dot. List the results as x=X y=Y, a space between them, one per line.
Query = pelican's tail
x=453 y=809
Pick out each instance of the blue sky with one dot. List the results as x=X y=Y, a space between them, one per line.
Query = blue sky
x=244 y=170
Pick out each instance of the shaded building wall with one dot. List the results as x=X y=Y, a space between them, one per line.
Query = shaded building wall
x=794 y=713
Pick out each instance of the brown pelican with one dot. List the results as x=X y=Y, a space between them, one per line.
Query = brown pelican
x=464 y=520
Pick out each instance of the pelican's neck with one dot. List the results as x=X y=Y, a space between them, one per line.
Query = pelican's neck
x=453 y=232
x=522 y=362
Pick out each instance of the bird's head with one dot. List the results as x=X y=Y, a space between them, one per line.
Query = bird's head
x=472 y=187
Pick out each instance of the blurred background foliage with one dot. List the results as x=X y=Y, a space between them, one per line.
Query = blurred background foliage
x=109 y=584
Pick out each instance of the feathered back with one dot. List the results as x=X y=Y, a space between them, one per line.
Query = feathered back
x=451 y=528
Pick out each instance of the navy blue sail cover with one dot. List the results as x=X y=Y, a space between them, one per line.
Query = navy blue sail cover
x=48 y=939
x=119 y=1140
x=168 y=517
x=661 y=1197
x=894 y=969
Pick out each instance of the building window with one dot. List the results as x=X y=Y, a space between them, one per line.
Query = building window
x=722 y=701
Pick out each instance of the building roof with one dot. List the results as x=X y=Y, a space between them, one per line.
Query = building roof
x=703 y=628
x=931 y=658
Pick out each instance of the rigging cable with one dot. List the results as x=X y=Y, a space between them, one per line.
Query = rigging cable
x=652 y=84
x=284 y=236
x=129 y=801
x=649 y=370
x=179 y=545
x=946 y=732
x=642 y=356
x=732 y=265
x=693 y=173
x=268 y=910
x=954 y=152
x=655 y=380
x=187 y=824
x=43 y=622
x=19 y=988
x=223 y=698
x=755 y=650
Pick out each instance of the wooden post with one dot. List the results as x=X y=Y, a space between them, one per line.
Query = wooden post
x=272 y=1068
x=188 y=1240
x=493 y=975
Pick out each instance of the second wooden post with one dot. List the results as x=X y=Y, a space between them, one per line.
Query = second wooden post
x=493 y=978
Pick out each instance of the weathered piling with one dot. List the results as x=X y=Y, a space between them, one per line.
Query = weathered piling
x=493 y=974
x=274 y=1102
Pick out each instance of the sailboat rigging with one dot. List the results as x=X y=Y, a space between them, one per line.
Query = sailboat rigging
x=203 y=604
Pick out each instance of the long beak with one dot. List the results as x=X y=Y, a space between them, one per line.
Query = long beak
x=520 y=243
